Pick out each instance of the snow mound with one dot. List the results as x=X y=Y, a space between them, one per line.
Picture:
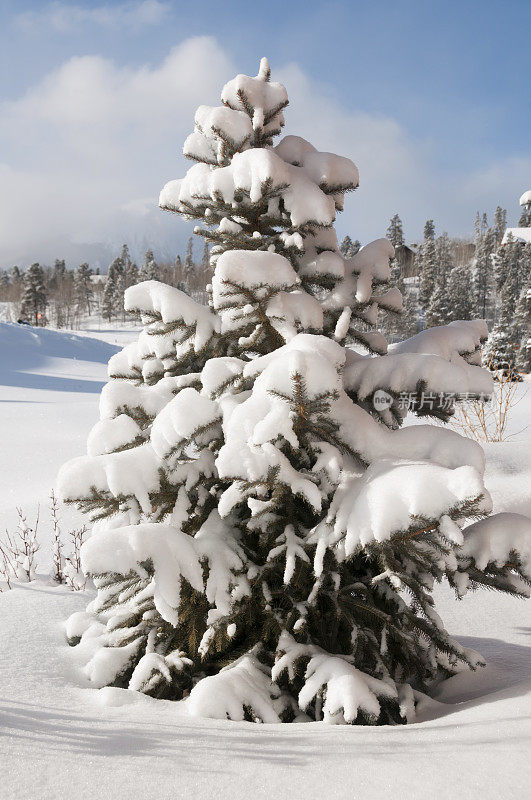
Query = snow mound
x=22 y=346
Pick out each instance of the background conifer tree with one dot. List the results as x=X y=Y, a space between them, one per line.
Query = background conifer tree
x=459 y=291
x=149 y=271
x=484 y=275
x=349 y=248
x=500 y=224
x=33 y=304
x=428 y=265
x=83 y=287
x=189 y=265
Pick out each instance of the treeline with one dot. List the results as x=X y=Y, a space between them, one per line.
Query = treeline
x=444 y=279
x=62 y=297
x=441 y=279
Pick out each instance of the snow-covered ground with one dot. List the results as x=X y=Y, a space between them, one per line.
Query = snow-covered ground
x=60 y=738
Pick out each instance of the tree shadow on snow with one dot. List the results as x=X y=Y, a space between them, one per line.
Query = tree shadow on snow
x=189 y=745
x=52 y=383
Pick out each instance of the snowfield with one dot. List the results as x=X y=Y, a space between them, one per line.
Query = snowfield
x=61 y=738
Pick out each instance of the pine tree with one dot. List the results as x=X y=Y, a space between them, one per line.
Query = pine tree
x=83 y=288
x=439 y=311
x=113 y=294
x=33 y=304
x=130 y=269
x=58 y=273
x=206 y=272
x=428 y=265
x=500 y=224
x=125 y=258
x=189 y=266
x=5 y=280
x=149 y=271
x=403 y=324
x=503 y=343
x=395 y=232
x=107 y=309
x=459 y=290
x=349 y=248
x=444 y=258
x=268 y=538
x=523 y=267
x=484 y=275
x=521 y=331
x=177 y=270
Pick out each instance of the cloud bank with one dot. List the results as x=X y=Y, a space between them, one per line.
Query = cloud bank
x=84 y=153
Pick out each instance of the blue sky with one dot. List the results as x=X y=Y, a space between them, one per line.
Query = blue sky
x=432 y=100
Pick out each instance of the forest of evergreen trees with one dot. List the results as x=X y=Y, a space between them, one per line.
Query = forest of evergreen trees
x=448 y=279
x=61 y=297
x=488 y=278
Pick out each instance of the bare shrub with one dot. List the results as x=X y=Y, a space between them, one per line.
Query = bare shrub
x=489 y=421
x=74 y=576
x=18 y=551
x=58 y=575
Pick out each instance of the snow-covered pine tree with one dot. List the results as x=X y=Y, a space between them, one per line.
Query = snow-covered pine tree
x=5 y=280
x=34 y=301
x=502 y=345
x=268 y=537
x=149 y=271
x=428 y=265
x=109 y=293
x=83 y=288
x=503 y=261
x=206 y=271
x=395 y=232
x=444 y=258
x=484 y=275
x=499 y=225
x=404 y=324
x=113 y=294
x=439 y=311
x=349 y=248
x=521 y=331
x=523 y=274
x=58 y=273
x=189 y=265
x=459 y=291
x=177 y=270
x=17 y=276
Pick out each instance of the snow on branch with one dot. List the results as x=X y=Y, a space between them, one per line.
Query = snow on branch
x=128 y=474
x=498 y=540
x=457 y=342
x=253 y=178
x=406 y=373
x=155 y=301
x=170 y=553
x=391 y=494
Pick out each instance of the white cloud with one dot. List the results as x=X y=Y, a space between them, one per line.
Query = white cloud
x=67 y=17
x=84 y=149
x=87 y=150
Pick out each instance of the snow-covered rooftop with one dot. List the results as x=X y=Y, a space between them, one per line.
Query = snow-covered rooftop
x=520 y=234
